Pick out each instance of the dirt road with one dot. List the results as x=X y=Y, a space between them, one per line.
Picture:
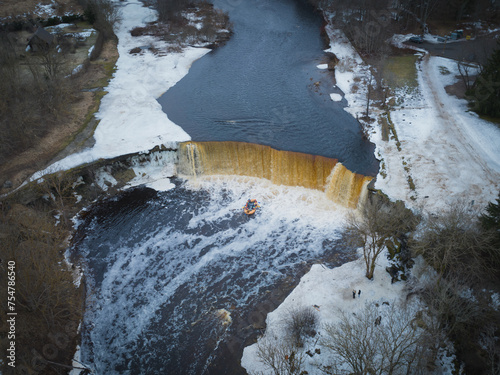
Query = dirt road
x=466 y=149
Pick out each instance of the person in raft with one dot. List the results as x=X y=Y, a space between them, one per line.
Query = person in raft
x=250 y=206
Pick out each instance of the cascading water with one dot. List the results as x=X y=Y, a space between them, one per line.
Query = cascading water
x=280 y=167
x=172 y=270
x=163 y=266
x=173 y=276
x=263 y=86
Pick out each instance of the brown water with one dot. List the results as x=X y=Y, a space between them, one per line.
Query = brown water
x=280 y=167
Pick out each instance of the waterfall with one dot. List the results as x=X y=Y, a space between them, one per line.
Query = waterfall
x=347 y=188
x=280 y=167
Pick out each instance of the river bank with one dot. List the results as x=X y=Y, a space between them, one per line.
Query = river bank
x=36 y=211
x=438 y=154
x=135 y=88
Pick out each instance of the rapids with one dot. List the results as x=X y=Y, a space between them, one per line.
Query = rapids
x=174 y=279
x=161 y=267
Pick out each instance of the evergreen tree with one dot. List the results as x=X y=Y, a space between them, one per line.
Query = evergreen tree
x=485 y=95
x=491 y=219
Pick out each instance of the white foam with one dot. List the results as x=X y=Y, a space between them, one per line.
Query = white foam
x=291 y=226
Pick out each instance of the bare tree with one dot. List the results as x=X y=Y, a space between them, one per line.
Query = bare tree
x=368 y=94
x=281 y=357
x=45 y=294
x=58 y=186
x=489 y=342
x=367 y=23
x=376 y=340
x=378 y=222
x=49 y=68
x=169 y=10
x=420 y=10
x=454 y=244
x=103 y=14
x=20 y=107
x=466 y=70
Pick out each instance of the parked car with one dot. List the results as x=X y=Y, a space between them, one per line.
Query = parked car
x=416 y=39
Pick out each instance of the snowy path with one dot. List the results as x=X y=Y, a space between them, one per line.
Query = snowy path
x=468 y=160
x=454 y=122
x=451 y=154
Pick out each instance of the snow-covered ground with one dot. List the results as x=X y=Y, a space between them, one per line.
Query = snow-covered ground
x=351 y=73
x=450 y=153
x=328 y=293
x=131 y=119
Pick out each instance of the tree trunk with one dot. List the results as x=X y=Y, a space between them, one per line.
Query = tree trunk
x=371 y=269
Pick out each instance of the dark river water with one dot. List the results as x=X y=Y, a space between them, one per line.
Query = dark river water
x=165 y=270
x=179 y=281
x=260 y=88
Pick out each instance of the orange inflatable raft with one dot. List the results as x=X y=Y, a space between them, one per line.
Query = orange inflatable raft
x=251 y=206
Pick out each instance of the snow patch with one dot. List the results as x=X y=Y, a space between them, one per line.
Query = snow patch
x=131 y=119
x=495 y=301
x=336 y=97
x=328 y=291
x=351 y=73
x=104 y=179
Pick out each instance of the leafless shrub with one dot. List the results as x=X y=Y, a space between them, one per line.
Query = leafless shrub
x=174 y=49
x=58 y=186
x=138 y=31
x=454 y=244
x=300 y=324
x=345 y=65
x=281 y=357
x=467 y=71
x=461 y=255
x=490 y=343
x=451 y=302
x=174 y=25
x=169 y=10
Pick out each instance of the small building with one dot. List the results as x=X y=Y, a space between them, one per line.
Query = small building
x=457 y=34
x=40 y=40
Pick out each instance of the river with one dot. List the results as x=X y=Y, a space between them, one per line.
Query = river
x=263 y=86
x=179 y=281
x=163 y=266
